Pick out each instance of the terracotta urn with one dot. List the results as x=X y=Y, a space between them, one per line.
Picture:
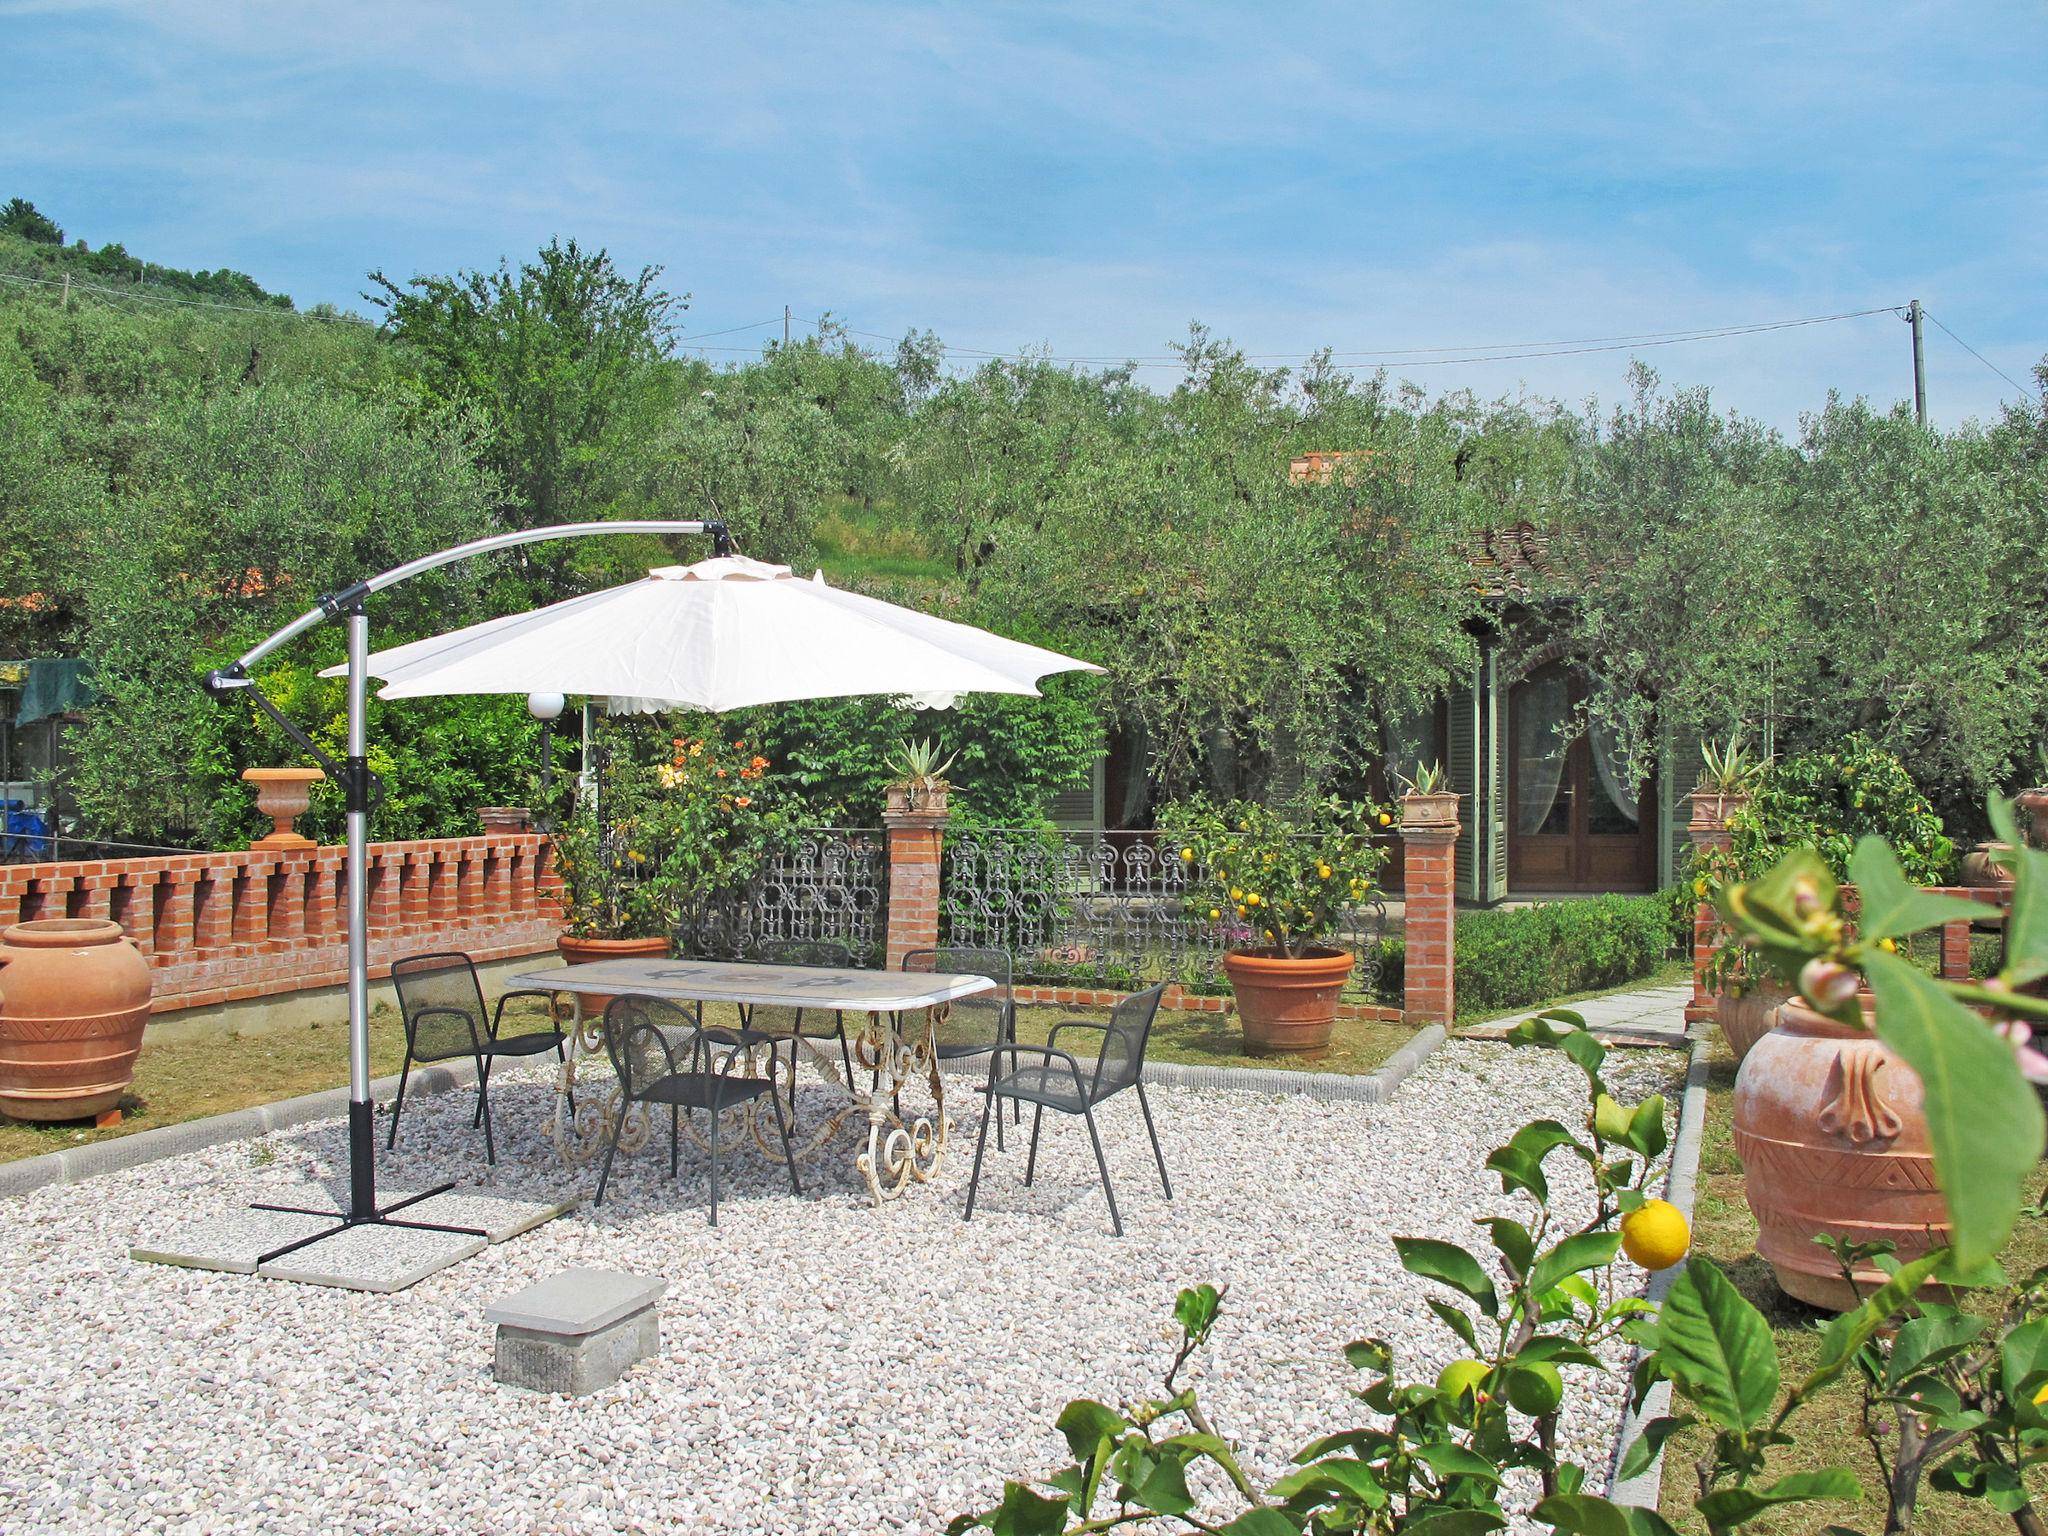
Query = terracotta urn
x=74 y=997
x=577 y=951
x=1287 y=1006
x=283 y=794
x=2033 y=804
x=1833 y=1139
x=1747 y=1016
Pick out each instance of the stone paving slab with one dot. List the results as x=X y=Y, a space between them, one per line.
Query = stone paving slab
x=374 y=1258
x=231 y=1240
x=1653 y=1016
x=499 y=1217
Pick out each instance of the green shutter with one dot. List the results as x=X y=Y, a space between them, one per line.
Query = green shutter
x=1678 y=770
x=1495 y=807
x=1462 y=766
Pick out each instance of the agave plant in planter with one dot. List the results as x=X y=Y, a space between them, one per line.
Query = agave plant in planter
x=1746 y=996
x=1290 y=879
x=920 y=784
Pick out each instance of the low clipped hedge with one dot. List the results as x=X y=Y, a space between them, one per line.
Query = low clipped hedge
x=1519 y=956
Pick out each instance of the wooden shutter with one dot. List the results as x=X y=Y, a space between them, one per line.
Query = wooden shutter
x=1495 y=802
x=1079 y=806
x=1678 y=770
x=1463 y=767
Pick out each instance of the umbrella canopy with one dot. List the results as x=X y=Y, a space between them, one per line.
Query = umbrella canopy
x=721 y=634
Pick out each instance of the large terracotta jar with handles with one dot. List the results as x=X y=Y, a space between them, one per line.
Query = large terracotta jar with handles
x=1747 y=1016
x=1832 y=1133
x=74 y=997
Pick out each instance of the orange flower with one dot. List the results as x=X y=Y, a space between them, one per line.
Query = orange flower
x=743 y=801
x=758 y=763
x=721 y=773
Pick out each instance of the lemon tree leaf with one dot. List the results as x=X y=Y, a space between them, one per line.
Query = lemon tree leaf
x=1982 y=1117
x=1585 y=1514
x=1890 y=904
x=1447 y=1262
x=1717 y=1348
x=1850 y=1331
x=1582 y=1250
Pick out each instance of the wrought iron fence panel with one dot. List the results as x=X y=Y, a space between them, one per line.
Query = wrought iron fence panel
x=1104 y=909
x=825 y=883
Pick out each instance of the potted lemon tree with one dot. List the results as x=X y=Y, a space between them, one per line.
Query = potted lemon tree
x=1282 y=883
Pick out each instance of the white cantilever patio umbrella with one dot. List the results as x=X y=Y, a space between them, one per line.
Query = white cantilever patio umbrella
x=722 y=634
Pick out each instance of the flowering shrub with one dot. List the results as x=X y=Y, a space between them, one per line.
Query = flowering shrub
x=1284 y=876
x=665 y=836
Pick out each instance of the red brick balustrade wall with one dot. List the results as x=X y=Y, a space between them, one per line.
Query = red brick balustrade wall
x=222 y=927
x=1709 y=831
x=1429 y=859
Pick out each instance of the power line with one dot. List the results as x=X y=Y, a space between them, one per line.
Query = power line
x=728 y=331
x=1475 y=352
x=1952 y=336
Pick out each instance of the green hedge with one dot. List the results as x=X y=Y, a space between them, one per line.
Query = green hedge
x=1520 y=956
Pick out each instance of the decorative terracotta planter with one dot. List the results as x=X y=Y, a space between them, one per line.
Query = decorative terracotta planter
x=1833 y=1139
x=1429 y=810
x=1747 y=1018
x=283 y=794
x=915 y=800
x=1711 y=809
x=577 y=951
x=1287 y=1006
x=74 y=997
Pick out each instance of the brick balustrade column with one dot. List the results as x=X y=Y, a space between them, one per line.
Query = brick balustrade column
x=1429 y=838
x=1711 y=812
x=915 y=841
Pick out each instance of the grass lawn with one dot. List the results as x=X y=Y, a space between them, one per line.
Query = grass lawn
x=190 y=1079
x=1724 y=1230
x=1215 y=1040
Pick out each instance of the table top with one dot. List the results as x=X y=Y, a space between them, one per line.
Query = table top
x=732 y=981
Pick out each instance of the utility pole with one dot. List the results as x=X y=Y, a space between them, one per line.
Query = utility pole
x=785 y=329
x=1913 y=315
x=67 y=289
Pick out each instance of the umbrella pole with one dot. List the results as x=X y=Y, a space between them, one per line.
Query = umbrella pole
x=362 y=1154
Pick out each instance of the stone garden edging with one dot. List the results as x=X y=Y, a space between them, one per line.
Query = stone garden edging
x=74 y=1164
x=1680 y=1186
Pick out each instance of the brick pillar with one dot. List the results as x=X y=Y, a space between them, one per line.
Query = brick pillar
x=1711 y=812
x=1429 y=839
x=915 y=838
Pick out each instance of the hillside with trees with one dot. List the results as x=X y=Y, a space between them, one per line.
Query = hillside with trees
x=187 y=459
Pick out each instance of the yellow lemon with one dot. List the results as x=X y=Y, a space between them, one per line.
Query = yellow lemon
x=1241 y=909
x=2041 y=1396
x=1460 y=1377
x=1214 y=914
x=1188 y=855
x=1889 y=946
x=1386 y=820
x=1236 y=894
x=1323 y=871
x=1251 y=898
x=1655 y=1234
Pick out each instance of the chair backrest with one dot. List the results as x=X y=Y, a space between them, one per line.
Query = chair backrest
x=775 y=1018
x=984 y=1018
x=442 y=1003
x=647 y=1039
x=1124 y=1042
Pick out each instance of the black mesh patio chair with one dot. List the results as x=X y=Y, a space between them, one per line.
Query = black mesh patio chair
x=1058 y=1080
x=973 y=1026
x=443 y=1005
x=662 y=1057
x=796 y=1024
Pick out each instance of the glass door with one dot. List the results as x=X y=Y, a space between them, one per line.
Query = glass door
x=1575 y=822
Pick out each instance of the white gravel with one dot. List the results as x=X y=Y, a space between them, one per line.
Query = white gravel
x=824 y=1367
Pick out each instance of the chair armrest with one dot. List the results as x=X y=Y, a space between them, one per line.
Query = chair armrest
x=1011 y=1048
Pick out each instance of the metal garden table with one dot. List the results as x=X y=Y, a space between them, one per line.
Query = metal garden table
x=891 y=1052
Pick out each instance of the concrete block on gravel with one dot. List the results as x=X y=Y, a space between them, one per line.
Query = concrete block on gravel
x=575 y=1332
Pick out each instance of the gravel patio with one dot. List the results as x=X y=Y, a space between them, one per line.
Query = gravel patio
x=824 y=1367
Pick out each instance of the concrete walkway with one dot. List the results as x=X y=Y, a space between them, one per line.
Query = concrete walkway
x=1652 y=1016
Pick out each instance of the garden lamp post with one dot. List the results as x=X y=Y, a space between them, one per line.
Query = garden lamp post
x=547 y=709
x=350 y=606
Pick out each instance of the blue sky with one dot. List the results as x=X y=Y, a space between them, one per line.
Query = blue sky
x=1089 y=178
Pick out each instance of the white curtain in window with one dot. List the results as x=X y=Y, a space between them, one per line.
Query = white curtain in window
x=1540 y=747
x=1612 y=767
